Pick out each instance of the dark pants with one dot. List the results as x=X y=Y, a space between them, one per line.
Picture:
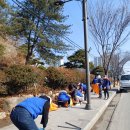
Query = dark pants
x=106 y=93
x=100 y=92
x=22 y=119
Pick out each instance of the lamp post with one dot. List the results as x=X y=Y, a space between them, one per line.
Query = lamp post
x=84 y=4
x=84 y=11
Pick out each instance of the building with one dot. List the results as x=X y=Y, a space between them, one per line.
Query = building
x=97 y=61
x=59 y=63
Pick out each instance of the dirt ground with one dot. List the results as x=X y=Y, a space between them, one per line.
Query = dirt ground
x=5 y=122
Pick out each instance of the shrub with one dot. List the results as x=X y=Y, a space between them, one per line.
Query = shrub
x=19 y=77
x=61 y=77
x=2 y=49
x=41 y=74
x=72 y=75
x=41 y=67
x=3 y=89
x=55 y=78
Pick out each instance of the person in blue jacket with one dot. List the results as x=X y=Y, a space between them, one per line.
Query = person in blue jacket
x=83 y=89
x=63 y=98
x=24 y=113
x=76 y=94
x=95 y=80
x=100 y=81
x=106 y=86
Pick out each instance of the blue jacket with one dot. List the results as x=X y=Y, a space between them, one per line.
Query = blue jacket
x=100 y=81
x=84 y=86
x=63 y=96
x=34 y=105
x=78 y=93
x=95 y=80
x=106 y=83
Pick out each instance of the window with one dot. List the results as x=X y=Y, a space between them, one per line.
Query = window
x=125 y=77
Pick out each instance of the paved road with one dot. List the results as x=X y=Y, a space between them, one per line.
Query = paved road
x=117 y=116
x=121 y=118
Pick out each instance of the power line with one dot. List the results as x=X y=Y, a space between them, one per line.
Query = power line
x=18 y=3
x=91 y=55
x=79 y=5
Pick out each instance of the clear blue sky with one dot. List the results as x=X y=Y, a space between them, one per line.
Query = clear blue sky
x=74 y=10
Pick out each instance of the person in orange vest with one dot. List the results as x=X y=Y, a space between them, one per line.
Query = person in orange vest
x=95 y=87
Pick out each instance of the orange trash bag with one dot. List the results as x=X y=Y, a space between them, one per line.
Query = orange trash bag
x=95 y=88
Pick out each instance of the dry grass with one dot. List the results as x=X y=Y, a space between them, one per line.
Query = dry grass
x=11 y=55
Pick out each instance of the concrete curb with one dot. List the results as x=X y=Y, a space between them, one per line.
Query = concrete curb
x=99 y=114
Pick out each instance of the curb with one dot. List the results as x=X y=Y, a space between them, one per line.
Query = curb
x=99 y=114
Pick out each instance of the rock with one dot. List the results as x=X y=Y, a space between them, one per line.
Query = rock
x=2 y=115
x=9 y=103
x=50 y=93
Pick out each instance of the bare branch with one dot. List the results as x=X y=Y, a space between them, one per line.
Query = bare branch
x=109 y=27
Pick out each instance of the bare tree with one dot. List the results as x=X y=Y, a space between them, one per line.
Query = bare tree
x=117 y=62
x=109 y=28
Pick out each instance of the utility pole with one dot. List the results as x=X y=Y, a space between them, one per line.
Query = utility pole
x=84 y=6
x=84 y=12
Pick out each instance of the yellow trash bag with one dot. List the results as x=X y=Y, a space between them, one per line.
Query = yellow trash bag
x=71 y=102
x=53 y=107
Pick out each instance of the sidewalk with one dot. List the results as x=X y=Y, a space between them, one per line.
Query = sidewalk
x=76 y=117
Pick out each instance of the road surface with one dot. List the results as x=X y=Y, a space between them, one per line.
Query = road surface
x=117 y=115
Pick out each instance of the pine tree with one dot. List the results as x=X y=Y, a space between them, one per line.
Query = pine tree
x=42 y=26
x=3 y=4
x=77 y=60
x=4 y=27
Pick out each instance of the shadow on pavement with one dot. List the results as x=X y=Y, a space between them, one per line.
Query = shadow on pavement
x=72 y=126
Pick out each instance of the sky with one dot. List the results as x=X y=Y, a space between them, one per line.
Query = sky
x=74 y=10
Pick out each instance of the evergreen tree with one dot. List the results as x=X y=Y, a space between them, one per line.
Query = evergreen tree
x=41 y=24
x=98 y=71
x=4 y=19
x=3 y=4
x=77 y=60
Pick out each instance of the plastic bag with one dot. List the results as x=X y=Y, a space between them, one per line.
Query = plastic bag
x=53 y=107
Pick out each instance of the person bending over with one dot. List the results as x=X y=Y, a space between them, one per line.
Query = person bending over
x=24 y=113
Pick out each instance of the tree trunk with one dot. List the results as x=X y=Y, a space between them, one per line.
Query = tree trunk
x=28 y=57
x=114 y=81
x=105 y=71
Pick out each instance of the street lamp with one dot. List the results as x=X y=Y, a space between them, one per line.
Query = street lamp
x=84 y=11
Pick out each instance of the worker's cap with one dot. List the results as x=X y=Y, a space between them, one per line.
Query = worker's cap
x=99 y=76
